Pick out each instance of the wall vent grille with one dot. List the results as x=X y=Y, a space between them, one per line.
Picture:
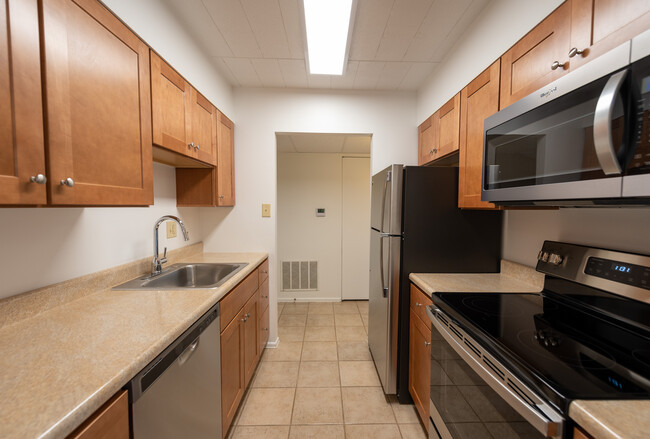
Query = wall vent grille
x=299 y=275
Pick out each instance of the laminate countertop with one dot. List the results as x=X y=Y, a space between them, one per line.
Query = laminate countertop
x=61 y=364
x=602 y=419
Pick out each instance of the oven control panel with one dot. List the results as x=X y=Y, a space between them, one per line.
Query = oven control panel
x=617 y=271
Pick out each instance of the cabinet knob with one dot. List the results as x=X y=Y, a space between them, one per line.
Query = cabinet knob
x=67 y=182
x=575 y=51
x=433 y=150
x=244 y=319
x=417 y=305
x=248 y=315
x=266 y=329
x=427 y=343
x=265 y=297
x=38 y=178
x=221 y=197
x=198 y=146
x=191 y=145
x=556 y=65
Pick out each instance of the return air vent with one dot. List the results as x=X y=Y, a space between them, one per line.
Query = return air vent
x=299 y=275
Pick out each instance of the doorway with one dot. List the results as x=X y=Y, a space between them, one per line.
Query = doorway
x=323 y=213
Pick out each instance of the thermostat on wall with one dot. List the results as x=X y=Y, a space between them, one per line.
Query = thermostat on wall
x=320 y=211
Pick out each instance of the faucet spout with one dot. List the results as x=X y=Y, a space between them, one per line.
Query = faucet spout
x=157 y=261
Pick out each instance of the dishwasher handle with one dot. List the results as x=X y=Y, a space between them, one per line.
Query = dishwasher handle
x=188 y=352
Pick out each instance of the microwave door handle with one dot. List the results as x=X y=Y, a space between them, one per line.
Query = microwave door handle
x=603 y=127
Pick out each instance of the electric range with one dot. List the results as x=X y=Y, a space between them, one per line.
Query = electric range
x=509 y=365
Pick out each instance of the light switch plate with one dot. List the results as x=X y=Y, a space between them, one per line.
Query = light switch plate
x=266 y=210
x=171 y=229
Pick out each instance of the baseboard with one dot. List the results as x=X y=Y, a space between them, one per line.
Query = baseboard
x=273 y=344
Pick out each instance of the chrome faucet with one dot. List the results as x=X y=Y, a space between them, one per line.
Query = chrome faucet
x=156 y=268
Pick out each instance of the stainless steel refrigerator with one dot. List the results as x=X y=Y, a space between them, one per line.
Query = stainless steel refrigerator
x=417 y=227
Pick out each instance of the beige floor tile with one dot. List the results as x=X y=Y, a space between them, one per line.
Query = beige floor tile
x=268 y=407
x=354 y=350
x=317 y=432
x=363 y=306
x=317 y=406
x=256 y=432
x=295 y=308
x=319 y=374
x=413 y=431
x=358 y=374
x=280 y=307
x=320 y=320
x=364 y=318
x=405 y=413
x=292 y=320
x=276 y=374
x=351 y=333
x=366 y=405
x=348 y=320
x=321 y=308
x=320 y=333
x=291 y=333
x=372 y=431
x=345 y=308
x=286 y=351
x=319 y=351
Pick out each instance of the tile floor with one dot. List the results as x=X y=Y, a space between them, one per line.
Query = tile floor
x=320 y=381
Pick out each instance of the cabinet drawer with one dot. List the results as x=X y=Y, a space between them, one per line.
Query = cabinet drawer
x=109 y=421
x=419 y=300
x=264 y=271
x=235 y=299
x=264 y=294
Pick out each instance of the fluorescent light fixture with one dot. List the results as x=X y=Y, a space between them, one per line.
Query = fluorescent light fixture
x=327 y=23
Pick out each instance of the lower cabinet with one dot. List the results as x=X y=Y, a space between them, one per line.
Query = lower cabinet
x=419 y=354
x=245 y=329
x=109 y=421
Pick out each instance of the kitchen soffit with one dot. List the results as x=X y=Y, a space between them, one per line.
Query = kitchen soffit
x=323 y=143
x=395 y=44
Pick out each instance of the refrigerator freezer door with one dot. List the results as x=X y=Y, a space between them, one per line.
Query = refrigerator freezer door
x=386 y=200
x=383 y=306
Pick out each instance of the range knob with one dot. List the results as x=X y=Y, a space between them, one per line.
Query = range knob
x=542 y=256
x=555 y=259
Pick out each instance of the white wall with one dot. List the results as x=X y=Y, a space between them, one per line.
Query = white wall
x=48 y=245
x=501 y=24
x=389 y=117
x=305 y=182
x=159 y=28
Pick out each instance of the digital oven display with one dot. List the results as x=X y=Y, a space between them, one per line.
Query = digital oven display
x=617 y=271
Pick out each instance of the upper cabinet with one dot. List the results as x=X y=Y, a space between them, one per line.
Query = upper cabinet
x=225 y=161
x=600 y=25
x=98 y=111
x=184 y=121
x=438 y=135
x=22 y=148
x=478 y=100
x=538 y=58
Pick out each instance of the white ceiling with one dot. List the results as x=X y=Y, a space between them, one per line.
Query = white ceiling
x=395 y=44
x=324 y=143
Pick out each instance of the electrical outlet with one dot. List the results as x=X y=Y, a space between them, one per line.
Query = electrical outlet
x=171 y=229
x=266 y=210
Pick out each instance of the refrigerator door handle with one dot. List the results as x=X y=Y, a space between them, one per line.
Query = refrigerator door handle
x=384 y=288
x=383 y=202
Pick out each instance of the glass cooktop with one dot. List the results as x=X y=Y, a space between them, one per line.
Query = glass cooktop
x=575 y=345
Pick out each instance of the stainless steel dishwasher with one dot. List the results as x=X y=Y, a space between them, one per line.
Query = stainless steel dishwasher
x=178 y=394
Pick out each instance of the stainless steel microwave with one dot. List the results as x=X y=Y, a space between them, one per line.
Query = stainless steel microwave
x=582 y=140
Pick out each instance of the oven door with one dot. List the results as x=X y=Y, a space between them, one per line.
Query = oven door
x=473 y=396
x=568 y=141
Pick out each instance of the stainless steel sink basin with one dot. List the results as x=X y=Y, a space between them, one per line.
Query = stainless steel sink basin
x=182 y=276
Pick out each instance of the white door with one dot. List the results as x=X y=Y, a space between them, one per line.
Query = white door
x=355 y=228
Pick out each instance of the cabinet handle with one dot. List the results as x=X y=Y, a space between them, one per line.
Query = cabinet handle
x=575 y=51
x=556 y=65
x=427 y=343
x=67 y=182
x=38 y=178
x=433 y=151
x=198 y=146
x=191 y=145
x=244 y=319
x=248 y=315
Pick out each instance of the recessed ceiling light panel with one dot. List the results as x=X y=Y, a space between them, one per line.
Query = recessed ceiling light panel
x=327 y=24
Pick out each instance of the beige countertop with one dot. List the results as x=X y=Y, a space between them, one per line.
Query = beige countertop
x=58 y=366
x=602 y=419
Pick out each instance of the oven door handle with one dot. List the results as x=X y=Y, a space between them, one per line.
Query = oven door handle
x=603 y=125
x=532 y=408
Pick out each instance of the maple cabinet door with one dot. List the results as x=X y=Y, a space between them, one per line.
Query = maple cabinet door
x=233 y=382
x=598 y=26
x=419 y=366
x=22 y=153
x=428 y=139
x=449 y=128
x=528 y=65
x=479 y=100
x=97 y=84
x=204 y=128
x=225 y=161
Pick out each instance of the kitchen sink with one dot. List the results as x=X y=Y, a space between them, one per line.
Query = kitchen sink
x=185 y=276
